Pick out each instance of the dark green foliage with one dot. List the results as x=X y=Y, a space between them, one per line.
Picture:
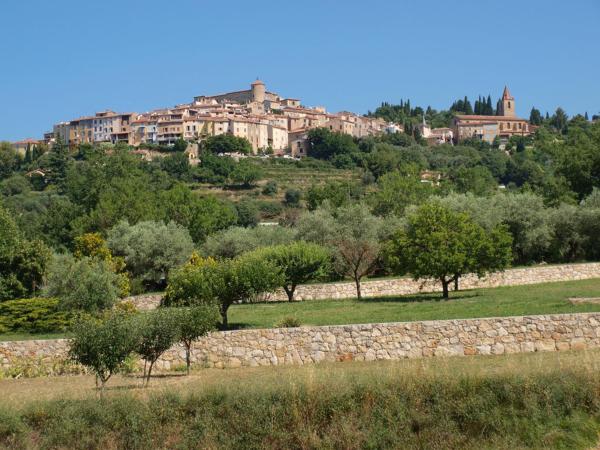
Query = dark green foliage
x=227 y=143
x=325 y=144
x=292 y=197
x=23 y=263
x=270 y=188
x=177 y=165
x=246 y=173
x=34 y=315
x=247 y=213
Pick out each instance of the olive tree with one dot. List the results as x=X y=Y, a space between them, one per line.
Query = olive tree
x=354 y=236
x=150 y=249
x=298 y=262
x=103 y=345
x=86 y=284
x=234 y=241
x=443 y=244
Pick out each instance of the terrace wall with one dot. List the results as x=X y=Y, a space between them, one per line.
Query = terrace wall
x=361 y=342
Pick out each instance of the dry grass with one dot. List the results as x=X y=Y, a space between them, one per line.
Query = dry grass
x=20 y=392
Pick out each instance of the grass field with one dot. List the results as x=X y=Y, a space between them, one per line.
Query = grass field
x=547 y=298
x=540 y=400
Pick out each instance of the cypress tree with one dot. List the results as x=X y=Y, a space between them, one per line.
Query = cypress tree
x=28 y=155
x=586 y=117
x=489 y=109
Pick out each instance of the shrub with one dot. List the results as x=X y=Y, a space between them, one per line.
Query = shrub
x=34 y=315
x=86 y=284
x=270 y=188
x=289 y=322
x=292 y=197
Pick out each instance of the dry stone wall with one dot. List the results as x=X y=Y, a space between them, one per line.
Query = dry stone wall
x=363 y=342
x=404 y=286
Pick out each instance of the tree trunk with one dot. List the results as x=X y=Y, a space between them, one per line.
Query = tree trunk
x=224 y=317
x=358 y=293
x=290 y=292
x=149 y=373
x=188 y=362
x=456 y=277
x=445 y=288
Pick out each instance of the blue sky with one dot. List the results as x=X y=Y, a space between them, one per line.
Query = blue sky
x=65 y=58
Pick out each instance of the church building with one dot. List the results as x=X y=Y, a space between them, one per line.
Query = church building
x=505 y=124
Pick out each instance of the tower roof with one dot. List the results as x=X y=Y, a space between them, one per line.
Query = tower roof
x=506 y=94
x=257 y=81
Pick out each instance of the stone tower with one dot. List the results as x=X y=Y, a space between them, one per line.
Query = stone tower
x=258 y=91
x=507 y=104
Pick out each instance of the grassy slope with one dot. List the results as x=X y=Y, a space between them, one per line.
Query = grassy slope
x=547 y=298
x=541 y=400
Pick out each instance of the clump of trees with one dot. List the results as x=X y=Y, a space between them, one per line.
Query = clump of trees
x=104 y=344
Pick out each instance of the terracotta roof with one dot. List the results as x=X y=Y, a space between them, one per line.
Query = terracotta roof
x=27 y=141
x=489 y=118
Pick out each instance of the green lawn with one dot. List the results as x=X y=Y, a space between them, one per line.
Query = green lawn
x=547 y=298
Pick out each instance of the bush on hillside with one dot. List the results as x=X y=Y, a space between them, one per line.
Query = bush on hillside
x=34 y=315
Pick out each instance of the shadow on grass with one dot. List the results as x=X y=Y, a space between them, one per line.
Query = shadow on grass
x=420 y=298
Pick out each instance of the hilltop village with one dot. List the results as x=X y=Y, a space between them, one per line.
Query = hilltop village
x=268 y=121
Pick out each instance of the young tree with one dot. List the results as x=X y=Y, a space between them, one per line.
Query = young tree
x=103 y=346
x=299 y=262
x=226 y=282
x=195 y=322
x=442 y=244
x=158 y=331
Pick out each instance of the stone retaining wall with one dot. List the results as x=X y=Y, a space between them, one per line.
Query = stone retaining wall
x=363 y=342
x=404 y=286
